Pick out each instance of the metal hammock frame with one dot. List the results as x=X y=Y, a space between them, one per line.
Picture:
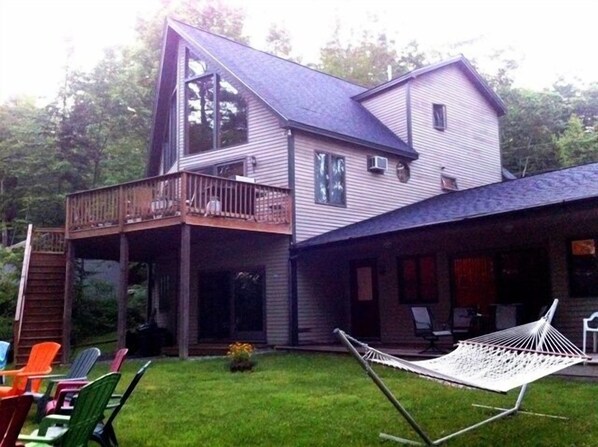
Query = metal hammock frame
x=496 y=362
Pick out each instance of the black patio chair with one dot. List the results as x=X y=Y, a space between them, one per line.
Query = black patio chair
x=423 y=327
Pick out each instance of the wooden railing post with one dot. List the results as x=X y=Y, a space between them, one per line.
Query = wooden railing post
x=69 y=291
x=121 y=208
x=184 y=205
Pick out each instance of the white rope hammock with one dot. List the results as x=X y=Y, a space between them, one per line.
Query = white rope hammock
x=497 y=362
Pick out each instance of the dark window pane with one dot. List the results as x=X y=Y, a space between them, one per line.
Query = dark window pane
x=233 y=116
x=200 y=114
x=230 y=170
x=249 y=292
x=427 y=279
x=439 y=111
x=583 y=267
x=409 y=281
x=417 y=280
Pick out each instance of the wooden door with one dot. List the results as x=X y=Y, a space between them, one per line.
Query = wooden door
x=365 y=312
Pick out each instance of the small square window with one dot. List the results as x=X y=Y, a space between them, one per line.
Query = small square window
x=439 y=115
x=448 y=183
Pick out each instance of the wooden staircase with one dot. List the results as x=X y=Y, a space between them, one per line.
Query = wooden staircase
x=41 y=299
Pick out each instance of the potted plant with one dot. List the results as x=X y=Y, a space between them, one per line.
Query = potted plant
x=240 y=356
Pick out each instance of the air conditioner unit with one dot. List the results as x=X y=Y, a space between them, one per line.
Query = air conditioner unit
x=377 y=164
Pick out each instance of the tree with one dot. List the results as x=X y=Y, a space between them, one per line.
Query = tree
x=368 y=61
x=527 y=130
x=578 y=144
x=278 y=41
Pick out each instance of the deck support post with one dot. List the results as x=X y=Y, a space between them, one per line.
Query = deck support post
x=69 y=290
x=184 y=278
x=122 y=296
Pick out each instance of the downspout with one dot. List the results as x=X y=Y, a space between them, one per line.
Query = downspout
x=409 y=124
x=293 y=319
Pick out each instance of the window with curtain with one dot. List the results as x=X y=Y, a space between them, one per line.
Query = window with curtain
x=330 y=179
x=583 y=267
x=417 y=279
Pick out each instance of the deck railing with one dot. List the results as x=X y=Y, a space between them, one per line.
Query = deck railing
x=181 y=194
x=48 y=240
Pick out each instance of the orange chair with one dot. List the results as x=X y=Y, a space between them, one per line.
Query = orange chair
x=28 y=378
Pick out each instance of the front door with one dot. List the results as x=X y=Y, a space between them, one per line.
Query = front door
x=365 y=314
x=231 y=305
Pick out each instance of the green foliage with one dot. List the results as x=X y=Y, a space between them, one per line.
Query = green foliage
x=10 y=274
x=366 y=61
x=527 y=130
x=577 y=145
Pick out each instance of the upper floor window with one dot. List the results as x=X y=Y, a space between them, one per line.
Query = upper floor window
x=583 y=267
x=225 y=170
x=216 y=114
x=448 y=183
x=169 y=139
x=330 y=178
x=439 y=116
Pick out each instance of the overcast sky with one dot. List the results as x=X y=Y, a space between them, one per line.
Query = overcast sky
x=549 y=38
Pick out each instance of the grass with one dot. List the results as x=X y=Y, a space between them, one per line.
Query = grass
x=326 y=400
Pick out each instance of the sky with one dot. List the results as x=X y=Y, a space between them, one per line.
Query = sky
x=549 y=39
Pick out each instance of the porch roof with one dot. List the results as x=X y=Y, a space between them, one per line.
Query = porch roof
x=534 y=192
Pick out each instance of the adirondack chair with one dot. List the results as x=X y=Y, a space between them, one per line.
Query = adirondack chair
x=76 y=429
x=4 y=347
x=119 y=359
x=13 y=412
x=48 y=407
x=104 y=432
x=39 y=362
x=78 y=371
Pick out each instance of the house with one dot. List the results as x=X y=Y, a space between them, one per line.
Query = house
x=281 y=202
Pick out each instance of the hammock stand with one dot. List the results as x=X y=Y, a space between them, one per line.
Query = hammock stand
x=496 y=362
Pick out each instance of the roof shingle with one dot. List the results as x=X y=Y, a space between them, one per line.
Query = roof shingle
x=562 y=186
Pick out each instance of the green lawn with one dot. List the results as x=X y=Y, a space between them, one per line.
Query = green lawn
x=326 y=400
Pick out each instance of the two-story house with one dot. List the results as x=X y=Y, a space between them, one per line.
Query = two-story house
x=281 y=202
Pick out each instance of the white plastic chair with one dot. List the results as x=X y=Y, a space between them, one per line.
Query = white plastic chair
x=587 y=328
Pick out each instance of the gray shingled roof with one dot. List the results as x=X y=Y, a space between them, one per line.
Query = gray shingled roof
x=565 y=185
x=302 y=97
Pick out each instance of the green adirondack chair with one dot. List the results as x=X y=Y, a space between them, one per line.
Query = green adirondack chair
x=76 y=429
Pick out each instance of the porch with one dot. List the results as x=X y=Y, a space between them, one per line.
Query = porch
x=174 y=199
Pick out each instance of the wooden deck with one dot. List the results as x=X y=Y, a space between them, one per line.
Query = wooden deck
x=178 y=198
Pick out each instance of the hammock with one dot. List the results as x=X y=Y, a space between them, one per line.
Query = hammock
x=497 y=362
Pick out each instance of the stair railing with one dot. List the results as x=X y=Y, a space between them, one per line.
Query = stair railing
x=23 y=284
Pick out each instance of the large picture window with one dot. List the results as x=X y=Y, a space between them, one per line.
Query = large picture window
x=216 y=113
x=417 y=279
x=330 y=178
x=583 y=267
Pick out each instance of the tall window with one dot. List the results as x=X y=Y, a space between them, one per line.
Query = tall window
x=583 y=267
x=216 y=113
x=417 y=279
x=330 y=178
x=169 y=140
x=439 y=115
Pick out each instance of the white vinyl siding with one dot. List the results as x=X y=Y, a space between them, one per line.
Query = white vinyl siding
x=468 y=149
x=391 y=109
